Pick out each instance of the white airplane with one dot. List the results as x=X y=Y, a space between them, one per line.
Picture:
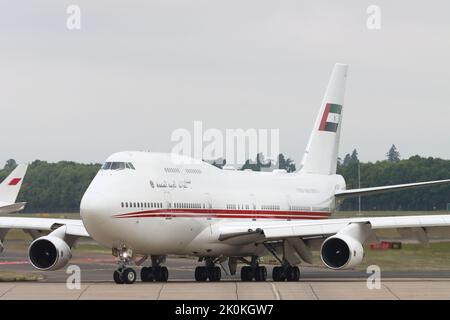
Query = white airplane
x=9 y=189
x=150 y=205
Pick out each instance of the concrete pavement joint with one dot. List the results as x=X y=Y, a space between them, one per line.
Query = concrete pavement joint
x=83 y=291
x=275 y=291
x=9 y=290
x=314 y=292
x=392 y=292
x=160 y=290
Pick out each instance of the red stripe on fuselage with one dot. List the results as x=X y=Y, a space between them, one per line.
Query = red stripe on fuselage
x=220 y=213
x=176 y=215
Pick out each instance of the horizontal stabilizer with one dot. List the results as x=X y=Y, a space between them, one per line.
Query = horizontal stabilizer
x=12 y=208
x=352 y=193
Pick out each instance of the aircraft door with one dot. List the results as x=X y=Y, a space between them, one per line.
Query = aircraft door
x=167 y=200
x=208 y=201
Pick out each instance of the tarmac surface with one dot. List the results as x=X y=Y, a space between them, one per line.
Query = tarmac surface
x=316 y=283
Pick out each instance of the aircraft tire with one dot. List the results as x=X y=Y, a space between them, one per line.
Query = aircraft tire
x=129 y=276
x=147 y=274
x=260 y=274
x=201 y=274
x=246 y=274
x=117 y=276
x=278 y=274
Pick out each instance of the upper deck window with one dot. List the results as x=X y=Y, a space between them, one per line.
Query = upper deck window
x=118 y=166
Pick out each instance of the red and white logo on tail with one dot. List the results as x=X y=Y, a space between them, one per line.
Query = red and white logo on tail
x=14 y=181
x=9 y=189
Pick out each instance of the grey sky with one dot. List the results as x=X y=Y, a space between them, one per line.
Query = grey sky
x=137 y=70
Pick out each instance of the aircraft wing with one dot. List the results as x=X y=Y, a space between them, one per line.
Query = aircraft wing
x=74 y=227
x=421 y=228
x=377 y=190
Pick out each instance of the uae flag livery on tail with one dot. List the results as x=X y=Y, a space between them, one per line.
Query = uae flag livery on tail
x=330 y=118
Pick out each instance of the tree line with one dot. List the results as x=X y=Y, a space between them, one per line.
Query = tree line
x=58 y=187
x=53 y=187
x=395 y=170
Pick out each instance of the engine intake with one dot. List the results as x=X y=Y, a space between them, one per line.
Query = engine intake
x=341 y=252
x=49 y=253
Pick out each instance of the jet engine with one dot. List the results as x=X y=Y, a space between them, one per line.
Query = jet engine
x=344 y=250
x=49 y=253
x=341 y=252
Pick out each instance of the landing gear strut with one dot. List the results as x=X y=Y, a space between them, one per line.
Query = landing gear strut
x=254 y=271
x=209 y=271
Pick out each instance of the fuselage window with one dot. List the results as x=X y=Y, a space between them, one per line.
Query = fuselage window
x=122 y=204
x=129 y=165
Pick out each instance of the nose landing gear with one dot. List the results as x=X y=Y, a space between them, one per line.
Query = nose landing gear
x=127 y=275
x=124 y=274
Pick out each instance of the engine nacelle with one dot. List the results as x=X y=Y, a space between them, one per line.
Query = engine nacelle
x=49 y=253
x=341 y=252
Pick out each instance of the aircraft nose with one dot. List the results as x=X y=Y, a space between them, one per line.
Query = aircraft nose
x=92 y=208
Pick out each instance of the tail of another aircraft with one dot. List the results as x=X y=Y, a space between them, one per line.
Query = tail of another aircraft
x=10 y=187
x=321 y=153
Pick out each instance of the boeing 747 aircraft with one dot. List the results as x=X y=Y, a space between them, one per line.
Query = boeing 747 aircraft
x=145 y=206
x=9 y=189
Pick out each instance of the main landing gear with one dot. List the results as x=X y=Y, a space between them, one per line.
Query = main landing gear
x=286 y=272
x=253 y=271
x=156 y=272
x=209 y=271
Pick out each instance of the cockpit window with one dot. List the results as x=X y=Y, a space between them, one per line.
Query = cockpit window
x=130 y=166
x=117 y=166
x=107 y=166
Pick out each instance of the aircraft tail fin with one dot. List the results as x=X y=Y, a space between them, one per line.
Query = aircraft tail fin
x=10 y=187
x=321 y=153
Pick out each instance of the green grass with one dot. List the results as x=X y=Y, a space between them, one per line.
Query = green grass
x=435 y=256
x=10 y=276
